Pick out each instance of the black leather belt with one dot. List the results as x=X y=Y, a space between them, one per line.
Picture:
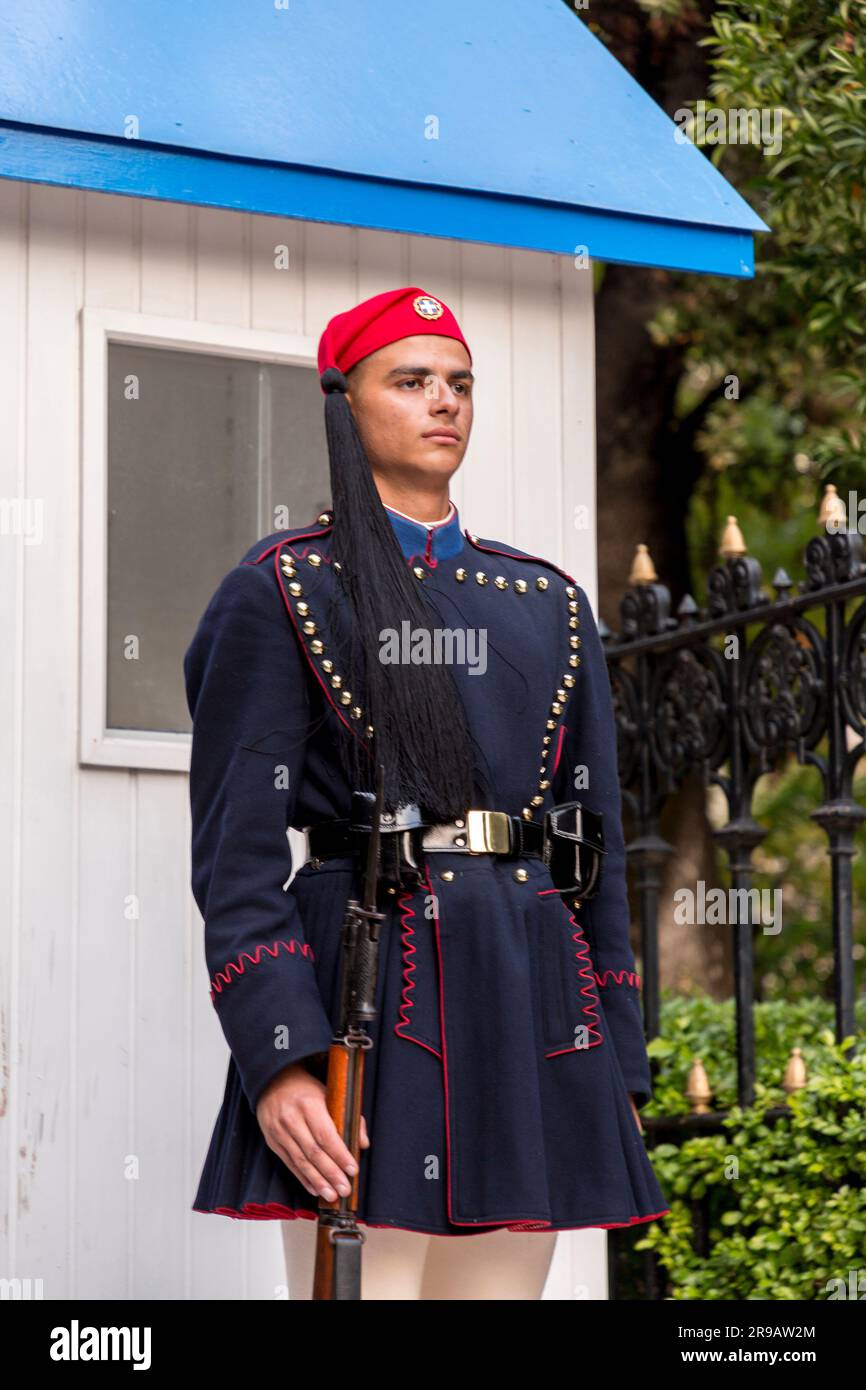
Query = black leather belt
x=570 y=841
x=478 y=832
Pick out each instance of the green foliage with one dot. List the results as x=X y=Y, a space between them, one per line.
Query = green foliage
x=798 y=962
x=775 y=368
x=786 y=1201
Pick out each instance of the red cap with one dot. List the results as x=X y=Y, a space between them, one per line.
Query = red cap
x=381 y=320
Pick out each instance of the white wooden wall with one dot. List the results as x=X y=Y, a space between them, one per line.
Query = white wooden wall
x=111 y=1051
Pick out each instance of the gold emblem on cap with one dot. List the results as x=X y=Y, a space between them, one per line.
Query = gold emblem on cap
x=427 y=307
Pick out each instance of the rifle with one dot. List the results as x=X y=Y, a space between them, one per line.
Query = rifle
x=338 y=1236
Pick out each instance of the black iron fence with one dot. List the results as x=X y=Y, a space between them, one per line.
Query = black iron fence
x=731 y=691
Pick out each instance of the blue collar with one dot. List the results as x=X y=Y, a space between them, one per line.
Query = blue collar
x=431 y=542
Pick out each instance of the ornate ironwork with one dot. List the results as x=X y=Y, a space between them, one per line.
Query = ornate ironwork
x=730 y=691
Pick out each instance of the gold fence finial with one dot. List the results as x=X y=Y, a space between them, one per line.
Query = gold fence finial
x=643 y=571
x=732 y=542
x=832 y=509
x=698 y=1088
x=795 y=1072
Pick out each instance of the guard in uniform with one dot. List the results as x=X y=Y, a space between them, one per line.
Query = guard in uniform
x=509 y=1036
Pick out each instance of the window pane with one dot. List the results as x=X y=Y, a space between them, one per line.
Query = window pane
x=201 y=451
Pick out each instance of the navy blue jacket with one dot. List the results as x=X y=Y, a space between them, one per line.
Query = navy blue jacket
x=509 y=1030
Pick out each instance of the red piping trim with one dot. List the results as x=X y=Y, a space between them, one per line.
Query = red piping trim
x=476 y=1225
x=631 y=977
x=275 y=548
x=224 y=975
x=272 y=1211
x=406 y=1003
x=535 y=559
x=324 y=687
x=448 y=1159
x=288 y=541
x=302 y=555
x=558 y=749
x=586 y=973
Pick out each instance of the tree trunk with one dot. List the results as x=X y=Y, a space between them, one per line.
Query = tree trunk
x=648 y=468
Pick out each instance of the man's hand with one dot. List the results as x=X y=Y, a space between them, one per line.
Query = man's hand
x=294 y=1120
x=635 y=1112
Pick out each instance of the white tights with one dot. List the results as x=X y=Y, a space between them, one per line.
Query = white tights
x=401 y=1265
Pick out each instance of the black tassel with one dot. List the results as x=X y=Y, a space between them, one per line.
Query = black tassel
x=421 y=735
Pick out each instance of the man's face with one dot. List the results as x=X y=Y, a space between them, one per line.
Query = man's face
x=412 y=403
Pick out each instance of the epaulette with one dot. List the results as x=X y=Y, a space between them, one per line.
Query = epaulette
x=501 y=548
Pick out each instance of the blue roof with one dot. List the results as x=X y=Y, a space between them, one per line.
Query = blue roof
x=322 y=110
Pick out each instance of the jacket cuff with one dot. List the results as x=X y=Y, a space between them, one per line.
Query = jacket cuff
x=271 y=1013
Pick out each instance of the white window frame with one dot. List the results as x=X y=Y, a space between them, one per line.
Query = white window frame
x=136 y=748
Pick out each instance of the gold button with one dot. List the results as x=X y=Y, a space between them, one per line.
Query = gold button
x=309 y=627
x=327 y=664
x=541 y=582
x=572 y=607
x=556 y=708
x=574 y=660
x=501 y=582
x=574 y=641
x=520 y=586
x=295 y=589
x=418 y=572
x=336 y=682
x=345 y=697
x=568 y=680
x=357 y=711
x=323 y=518
x=369 y=730
x=337 y=565
x=520 y=875
x=572 y=592
x=526 y=813
x=460 y=574
x=317 y=646
x=481 y=577
x=562 y=694
x=303 y=608
x=447 y=874
x=537 y=801
x=314 y=559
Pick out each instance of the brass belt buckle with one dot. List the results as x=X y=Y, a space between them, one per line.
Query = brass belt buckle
x=488 y=832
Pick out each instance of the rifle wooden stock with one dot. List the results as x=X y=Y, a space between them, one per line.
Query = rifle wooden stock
x=339 y=1238
x=343 y=1098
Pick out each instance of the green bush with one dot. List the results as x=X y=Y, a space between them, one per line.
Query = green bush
x=786 y=1199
